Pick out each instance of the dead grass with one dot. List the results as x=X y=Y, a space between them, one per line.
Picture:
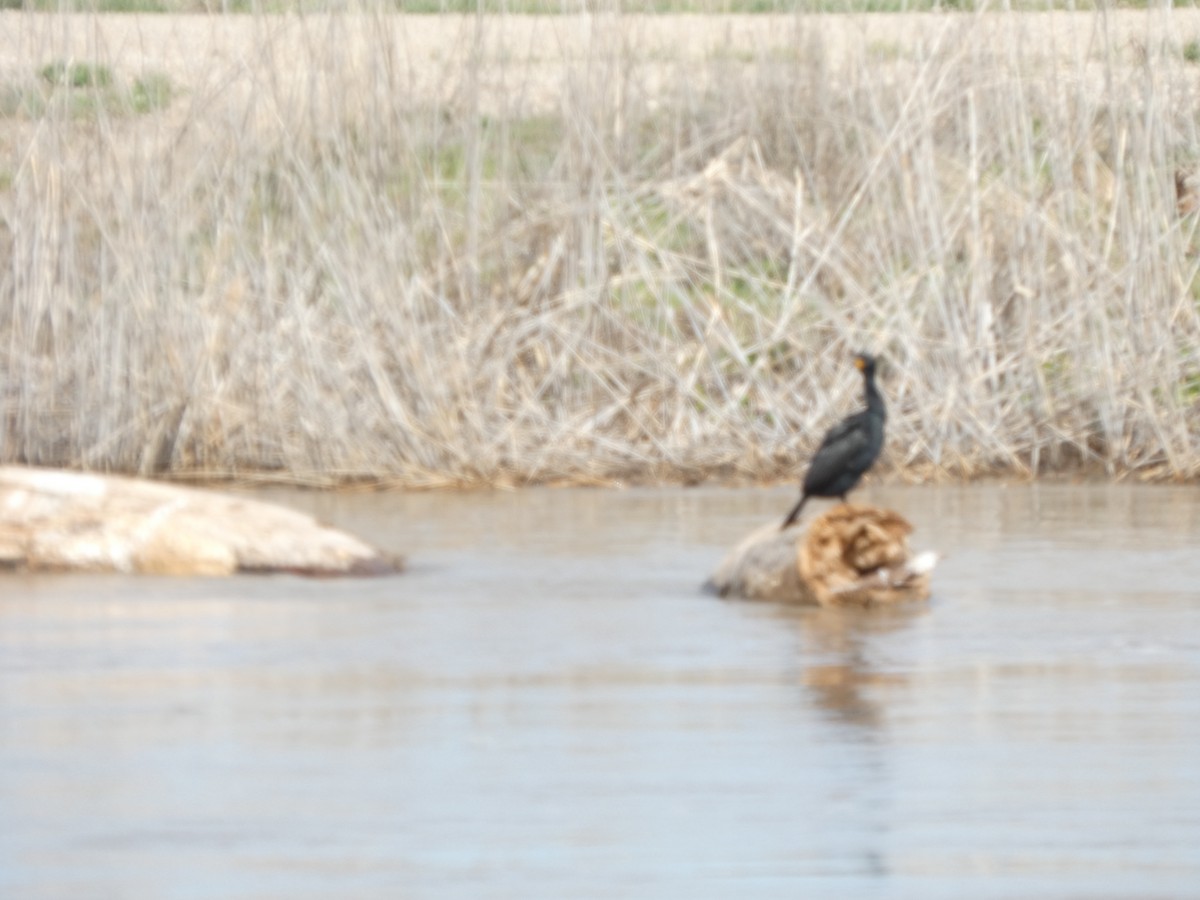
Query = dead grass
x=511 y=249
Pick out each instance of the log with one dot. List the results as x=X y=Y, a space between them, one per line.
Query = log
x=53 y=520
x=851 y=555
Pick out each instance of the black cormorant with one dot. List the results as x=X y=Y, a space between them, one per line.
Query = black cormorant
x=849 y=448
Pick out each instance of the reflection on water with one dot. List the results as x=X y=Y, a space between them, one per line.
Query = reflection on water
x=546 y=706
x=843 y=687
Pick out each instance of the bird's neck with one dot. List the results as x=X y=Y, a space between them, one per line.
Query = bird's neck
x=874 y=398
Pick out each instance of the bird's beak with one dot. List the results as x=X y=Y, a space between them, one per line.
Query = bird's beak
x=860 y=363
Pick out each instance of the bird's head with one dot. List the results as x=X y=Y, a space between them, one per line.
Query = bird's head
x=865 y=363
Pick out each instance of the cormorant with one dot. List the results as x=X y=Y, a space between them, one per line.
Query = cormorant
x=848 y=449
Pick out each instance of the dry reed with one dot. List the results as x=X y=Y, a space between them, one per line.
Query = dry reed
x=593 y=248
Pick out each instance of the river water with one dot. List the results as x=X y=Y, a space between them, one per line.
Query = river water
x=545 y=706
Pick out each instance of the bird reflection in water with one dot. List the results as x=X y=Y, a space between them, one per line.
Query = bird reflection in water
x=843 y=678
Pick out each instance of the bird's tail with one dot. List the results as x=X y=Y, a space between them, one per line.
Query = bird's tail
x=795 y=513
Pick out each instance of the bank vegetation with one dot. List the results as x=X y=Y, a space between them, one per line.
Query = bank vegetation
x=594 y=248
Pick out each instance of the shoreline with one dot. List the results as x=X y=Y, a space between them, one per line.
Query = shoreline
x=887 y=478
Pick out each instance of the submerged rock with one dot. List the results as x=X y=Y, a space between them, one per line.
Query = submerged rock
x=851 y=554
x=51 y=520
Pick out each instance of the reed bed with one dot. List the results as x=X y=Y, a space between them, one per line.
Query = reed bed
x=511 y=249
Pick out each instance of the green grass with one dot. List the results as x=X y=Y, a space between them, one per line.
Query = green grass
x=83 y=90
x=1189 y=390
x=151 y=92
x=76 y=75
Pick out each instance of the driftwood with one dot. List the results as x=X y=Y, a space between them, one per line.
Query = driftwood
x=52 y=520
x=851 y=554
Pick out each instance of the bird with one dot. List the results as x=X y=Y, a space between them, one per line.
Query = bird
x=848 y=449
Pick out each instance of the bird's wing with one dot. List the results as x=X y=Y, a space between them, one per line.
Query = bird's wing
x=843 y=442
x=840 y=431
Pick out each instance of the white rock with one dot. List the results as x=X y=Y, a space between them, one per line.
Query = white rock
x=65 y=521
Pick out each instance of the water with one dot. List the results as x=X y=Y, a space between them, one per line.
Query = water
x=546 y=706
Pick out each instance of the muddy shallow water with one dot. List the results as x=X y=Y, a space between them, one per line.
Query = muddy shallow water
x=546 y=706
